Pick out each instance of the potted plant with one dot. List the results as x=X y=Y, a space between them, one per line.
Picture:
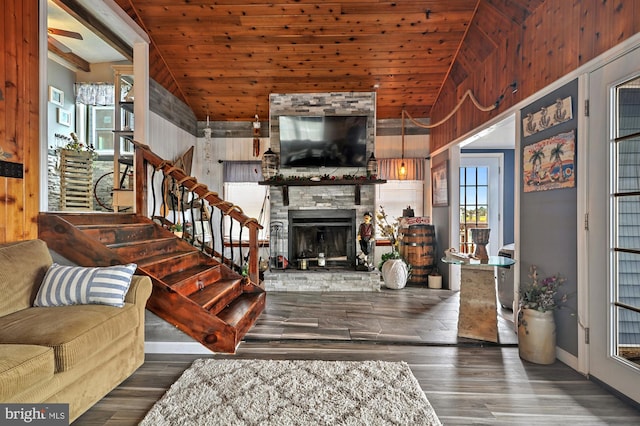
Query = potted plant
x=177 y=229
x=536 y=324
x=395 y=270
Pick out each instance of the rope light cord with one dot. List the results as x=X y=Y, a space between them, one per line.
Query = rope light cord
x=468 y=94
x=476 y=103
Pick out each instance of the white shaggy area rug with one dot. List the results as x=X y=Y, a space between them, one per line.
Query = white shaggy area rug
x=259 y=392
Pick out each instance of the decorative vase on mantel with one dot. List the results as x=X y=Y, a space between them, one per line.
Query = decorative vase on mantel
x=395 y=273
x=536 y=336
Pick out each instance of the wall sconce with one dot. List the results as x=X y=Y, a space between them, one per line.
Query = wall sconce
x=402 y=173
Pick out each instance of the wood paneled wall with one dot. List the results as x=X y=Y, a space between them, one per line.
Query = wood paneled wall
x=19 y=118
x=534 y=50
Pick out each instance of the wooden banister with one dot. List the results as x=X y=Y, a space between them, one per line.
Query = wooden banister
x=144 y=156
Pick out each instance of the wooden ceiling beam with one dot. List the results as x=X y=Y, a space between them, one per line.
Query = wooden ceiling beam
x=84 y=16
x=70 y=57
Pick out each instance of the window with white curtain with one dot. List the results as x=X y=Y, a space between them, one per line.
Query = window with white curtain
x=398 y=194
x=242 y=189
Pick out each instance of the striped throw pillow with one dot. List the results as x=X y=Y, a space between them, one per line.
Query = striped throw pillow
x=77 y=285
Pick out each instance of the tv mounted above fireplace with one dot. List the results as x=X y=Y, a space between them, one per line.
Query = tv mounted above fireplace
x=323 y=141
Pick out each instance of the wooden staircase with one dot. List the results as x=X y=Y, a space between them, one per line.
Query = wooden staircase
x=196 y=293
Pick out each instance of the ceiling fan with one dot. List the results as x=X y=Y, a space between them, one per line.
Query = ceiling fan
x=62 y=33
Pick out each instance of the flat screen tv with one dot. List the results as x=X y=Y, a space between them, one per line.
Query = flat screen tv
x=323 y=141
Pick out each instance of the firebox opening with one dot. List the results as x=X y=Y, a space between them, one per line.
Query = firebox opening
x=330 y=232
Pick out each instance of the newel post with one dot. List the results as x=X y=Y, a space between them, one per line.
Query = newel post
x=254 y=258
x=141 y=177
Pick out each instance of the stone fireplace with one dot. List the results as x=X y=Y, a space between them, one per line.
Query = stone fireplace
x=318 y=210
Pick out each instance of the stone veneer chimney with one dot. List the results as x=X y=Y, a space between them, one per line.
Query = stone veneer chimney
x=329 y=197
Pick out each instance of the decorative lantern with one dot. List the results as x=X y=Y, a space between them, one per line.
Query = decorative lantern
x=269 y=164
x=372 y=166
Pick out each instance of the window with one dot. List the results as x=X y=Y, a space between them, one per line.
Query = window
x=100 y=129
x=626 y=225
x=397 y=195
x=242 y=189
x=474 y=203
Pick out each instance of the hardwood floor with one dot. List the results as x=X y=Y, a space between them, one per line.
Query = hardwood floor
x=466 y=381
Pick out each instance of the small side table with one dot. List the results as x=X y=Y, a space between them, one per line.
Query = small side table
x=478 y=314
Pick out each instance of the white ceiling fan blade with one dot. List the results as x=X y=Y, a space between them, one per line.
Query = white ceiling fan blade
x=65 y=33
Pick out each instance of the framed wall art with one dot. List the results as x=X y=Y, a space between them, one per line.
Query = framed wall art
x=63 y=117
x=440 y=184
x=549 y=164
x=56 y=96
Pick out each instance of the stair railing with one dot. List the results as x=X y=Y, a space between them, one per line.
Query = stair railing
x=176 y=193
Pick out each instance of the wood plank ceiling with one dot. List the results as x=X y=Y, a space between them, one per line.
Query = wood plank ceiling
x=223 y=58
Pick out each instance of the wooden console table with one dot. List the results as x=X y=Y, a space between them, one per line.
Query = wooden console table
x=478 y=316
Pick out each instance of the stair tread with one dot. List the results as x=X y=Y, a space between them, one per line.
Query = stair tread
x=162 y=257
x=210 y=294
x=111 y=225
x=141 y=242
x=190 y=272
x=238 y=309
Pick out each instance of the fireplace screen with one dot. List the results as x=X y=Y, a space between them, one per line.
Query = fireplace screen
x=330 y=232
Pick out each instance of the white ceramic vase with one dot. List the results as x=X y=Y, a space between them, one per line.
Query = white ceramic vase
x=537 y=336
x=395 y=274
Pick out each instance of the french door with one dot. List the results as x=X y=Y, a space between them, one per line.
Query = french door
x=481 y=199
x=614 y=224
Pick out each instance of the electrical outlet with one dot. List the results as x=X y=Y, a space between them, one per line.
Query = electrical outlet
x=12 y=170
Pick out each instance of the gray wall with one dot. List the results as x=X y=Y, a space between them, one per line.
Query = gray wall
x=440 y=221
x=62 y=79
x=167 y=106
x=548 y=229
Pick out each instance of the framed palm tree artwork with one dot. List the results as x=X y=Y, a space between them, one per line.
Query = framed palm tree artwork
x=550 y=163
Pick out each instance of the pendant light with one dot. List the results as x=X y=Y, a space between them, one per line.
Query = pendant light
x=402 y=173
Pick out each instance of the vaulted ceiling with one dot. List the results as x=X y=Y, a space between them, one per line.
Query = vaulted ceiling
x=224 y=57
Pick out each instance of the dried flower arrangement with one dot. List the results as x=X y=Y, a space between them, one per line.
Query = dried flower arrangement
x=542 y=294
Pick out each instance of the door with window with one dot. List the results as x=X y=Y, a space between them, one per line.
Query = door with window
x=614 y=224
x=480 y=199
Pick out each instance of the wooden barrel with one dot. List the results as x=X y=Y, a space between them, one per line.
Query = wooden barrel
x=418 y=247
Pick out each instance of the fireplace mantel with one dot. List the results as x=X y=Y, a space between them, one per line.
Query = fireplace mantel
x=286 y=183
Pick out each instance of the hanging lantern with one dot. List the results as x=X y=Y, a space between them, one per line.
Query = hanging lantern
x=402 y=173
x=269 y=164
x=372 y=166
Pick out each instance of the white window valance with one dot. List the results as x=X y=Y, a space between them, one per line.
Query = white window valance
x=242 y=171
x=95 y=93
x=388 y=168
